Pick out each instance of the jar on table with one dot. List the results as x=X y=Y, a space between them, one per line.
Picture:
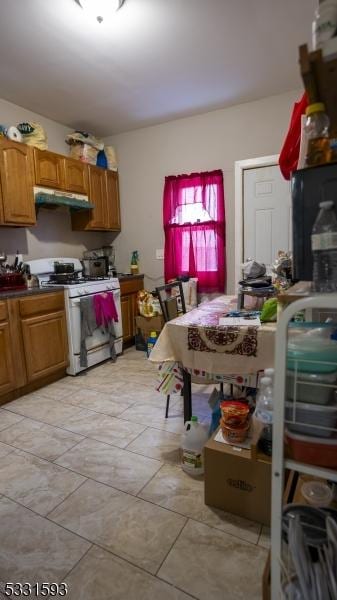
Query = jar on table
x=317 y=132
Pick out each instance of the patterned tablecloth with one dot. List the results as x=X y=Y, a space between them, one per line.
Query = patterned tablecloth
x=206 y=349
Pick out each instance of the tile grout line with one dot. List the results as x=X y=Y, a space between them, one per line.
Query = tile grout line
x=46 y=516
x=81 y=434
x=171 y=547
x=77 y=563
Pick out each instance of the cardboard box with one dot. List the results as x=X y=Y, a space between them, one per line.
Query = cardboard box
x=238 y=481
x=145 y=325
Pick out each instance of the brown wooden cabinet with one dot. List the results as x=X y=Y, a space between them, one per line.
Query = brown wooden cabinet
x=7 y=380
x=129 y=289
x=22 y=167
x=104 y=194
x=16 y=180
x=42 y=356
x=75 y=176
x=35 y=332
x=113 y=204
x=49 y=169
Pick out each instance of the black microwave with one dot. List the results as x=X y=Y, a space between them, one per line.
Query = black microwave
x=309 y=187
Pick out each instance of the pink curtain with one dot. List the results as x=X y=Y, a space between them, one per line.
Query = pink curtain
x=194 y=225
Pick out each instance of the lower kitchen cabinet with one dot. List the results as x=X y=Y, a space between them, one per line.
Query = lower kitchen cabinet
x=7 y=380
x=43 y=356
x=129 y=290
x=34 y=330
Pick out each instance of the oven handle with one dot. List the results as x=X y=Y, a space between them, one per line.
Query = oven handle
x=76 y=301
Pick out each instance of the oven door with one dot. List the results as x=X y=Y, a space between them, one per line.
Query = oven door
x=99 y=338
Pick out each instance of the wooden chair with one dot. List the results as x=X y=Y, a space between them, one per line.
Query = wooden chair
x=172 y=304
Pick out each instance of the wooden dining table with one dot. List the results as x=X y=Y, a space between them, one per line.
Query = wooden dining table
x=197 y=344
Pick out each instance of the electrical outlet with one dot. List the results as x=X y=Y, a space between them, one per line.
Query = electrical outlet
x=160 y=254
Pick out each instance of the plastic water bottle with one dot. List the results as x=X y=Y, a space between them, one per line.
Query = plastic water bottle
x=264 y=413
x=324 y=249
x=192 y=444
x=264 y=401
x=151 y=340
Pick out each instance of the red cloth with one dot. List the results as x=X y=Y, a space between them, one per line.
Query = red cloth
x=291 y=148
x=195 y=229
x=105 y=309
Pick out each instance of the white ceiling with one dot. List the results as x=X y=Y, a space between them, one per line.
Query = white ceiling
x=154 y=61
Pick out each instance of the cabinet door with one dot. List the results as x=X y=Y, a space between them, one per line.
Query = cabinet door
x=17 y=180
x=49 y=169
x=7 y=382
x=126 y=308
x=112 y=192
x=45 y=344
x=97 y=195
x=75 y=176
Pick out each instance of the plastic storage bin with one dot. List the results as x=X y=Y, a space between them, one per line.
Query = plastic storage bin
x=306 y=392
x=311 y=414
x=311 y=349
x=318 y=451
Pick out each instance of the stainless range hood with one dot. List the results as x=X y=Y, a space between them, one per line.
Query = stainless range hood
x=52 y=198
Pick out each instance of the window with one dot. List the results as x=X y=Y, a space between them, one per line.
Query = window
x=194 y=225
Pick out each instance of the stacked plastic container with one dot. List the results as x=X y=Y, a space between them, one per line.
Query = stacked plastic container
x=311 y=406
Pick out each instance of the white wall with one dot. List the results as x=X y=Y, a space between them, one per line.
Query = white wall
x=52 y=235
x=209 y=141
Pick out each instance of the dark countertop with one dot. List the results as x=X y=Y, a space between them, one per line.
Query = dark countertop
x=126 y=276
x=30 y=292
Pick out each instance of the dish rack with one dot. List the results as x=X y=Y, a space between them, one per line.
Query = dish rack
x=297 y=417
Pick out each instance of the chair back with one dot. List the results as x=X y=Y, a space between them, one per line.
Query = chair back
x=171 y=299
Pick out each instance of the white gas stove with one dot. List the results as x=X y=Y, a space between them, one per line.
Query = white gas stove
x=75 y=288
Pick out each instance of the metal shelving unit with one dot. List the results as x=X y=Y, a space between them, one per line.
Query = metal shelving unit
x=279 y=462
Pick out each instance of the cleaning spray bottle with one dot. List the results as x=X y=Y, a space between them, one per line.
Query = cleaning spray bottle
x=134 y=267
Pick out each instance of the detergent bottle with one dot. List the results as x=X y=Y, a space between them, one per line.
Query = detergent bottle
x=151 y=340
x=192 y=444
x=134 y=267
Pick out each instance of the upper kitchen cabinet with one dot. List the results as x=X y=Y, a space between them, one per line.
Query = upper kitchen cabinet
x=75 y=176
x=112 y=190
x=17 y=181
x=49 y=169
x=103 y=193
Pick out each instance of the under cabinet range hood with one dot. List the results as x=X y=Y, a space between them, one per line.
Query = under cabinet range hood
x=52 y=198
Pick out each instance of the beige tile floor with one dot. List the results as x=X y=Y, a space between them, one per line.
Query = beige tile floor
x=91 y=493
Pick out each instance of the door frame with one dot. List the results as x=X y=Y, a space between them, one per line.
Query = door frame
x=240 y=167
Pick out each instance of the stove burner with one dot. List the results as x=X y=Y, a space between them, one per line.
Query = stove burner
x=71 y=279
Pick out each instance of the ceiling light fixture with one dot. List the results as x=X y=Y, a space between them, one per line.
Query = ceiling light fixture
x=99 y=9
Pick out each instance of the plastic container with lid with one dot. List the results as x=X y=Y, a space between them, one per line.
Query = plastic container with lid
x=309 y=419
x=318 y=451
x=312 y=348
x=234 y=435
x=234 y=413
x=317 y=493
x=317 y=133
x=312 y=388
x=192 y=444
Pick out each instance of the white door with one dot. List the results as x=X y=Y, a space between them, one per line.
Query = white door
x=266 y=214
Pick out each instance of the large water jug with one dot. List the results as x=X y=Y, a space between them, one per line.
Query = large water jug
x=192 y=444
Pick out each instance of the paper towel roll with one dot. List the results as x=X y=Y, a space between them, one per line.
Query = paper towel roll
x=13 y=134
